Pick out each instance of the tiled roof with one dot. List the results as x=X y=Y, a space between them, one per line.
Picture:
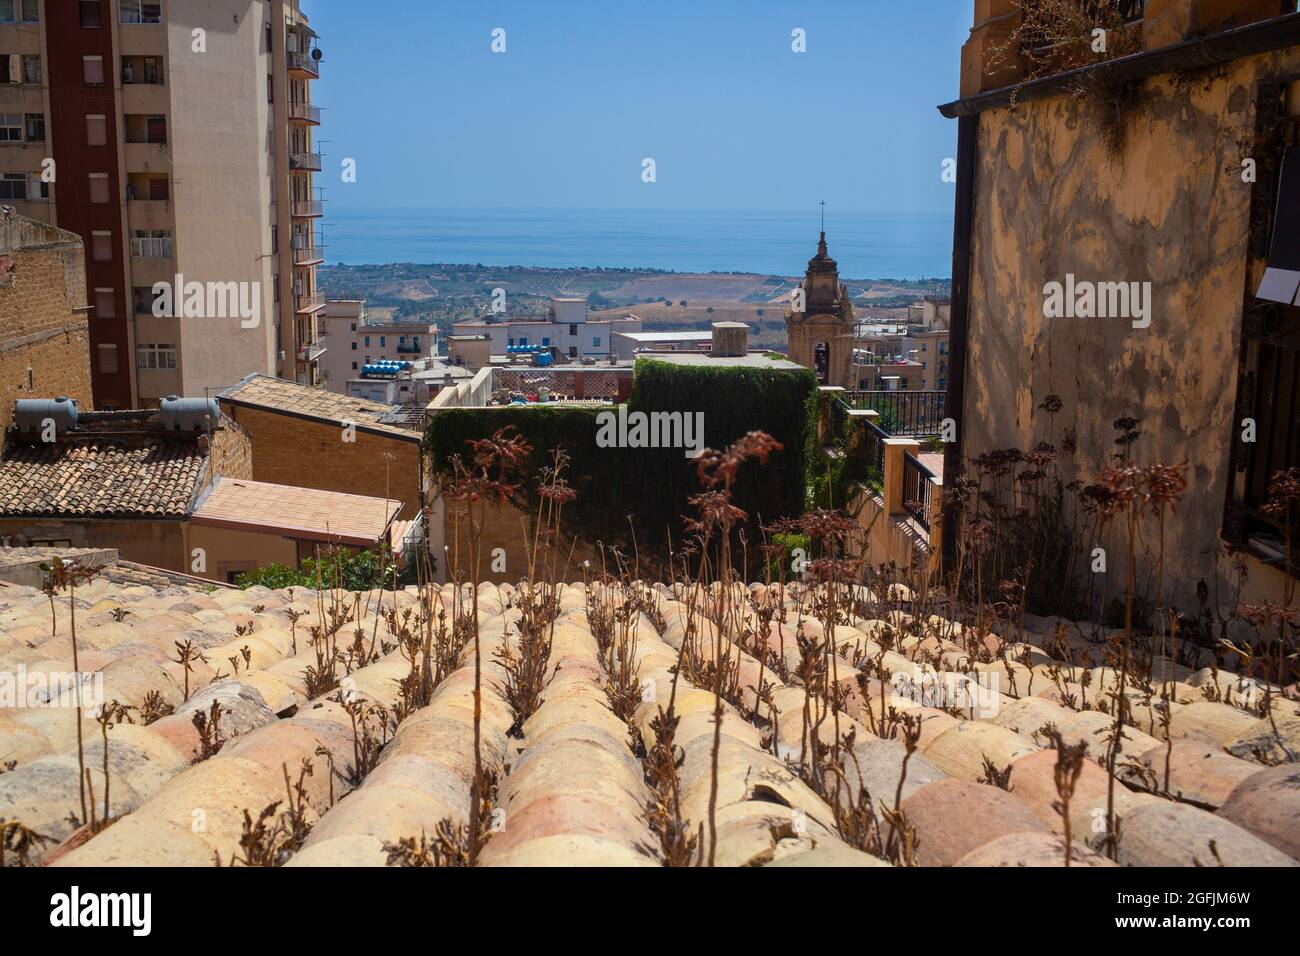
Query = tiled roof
x=101 y=478
x=353 y=519
x=277 y=394
x=572 y=778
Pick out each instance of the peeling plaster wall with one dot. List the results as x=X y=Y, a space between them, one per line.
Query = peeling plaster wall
x=1170 y=208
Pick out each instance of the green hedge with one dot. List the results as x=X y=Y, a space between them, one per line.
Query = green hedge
x=653 y=484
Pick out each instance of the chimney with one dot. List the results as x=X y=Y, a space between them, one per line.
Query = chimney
x=730 y=339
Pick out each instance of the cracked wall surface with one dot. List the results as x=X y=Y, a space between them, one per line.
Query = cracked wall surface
x=1167 y=207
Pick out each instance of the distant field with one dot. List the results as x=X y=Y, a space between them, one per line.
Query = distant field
x=449 y=293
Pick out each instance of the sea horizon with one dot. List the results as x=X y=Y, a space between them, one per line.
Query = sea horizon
x=866 y=245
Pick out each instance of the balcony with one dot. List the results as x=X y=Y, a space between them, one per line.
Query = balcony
x=307 y=253
x=304 y=113
x=308 y=208
x=312 y=350
x=308 y=303
x=309 y=162
x=303 y=64
x=408 y=349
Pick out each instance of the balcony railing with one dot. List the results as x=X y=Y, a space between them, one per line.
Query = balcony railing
x=303 y=63
x=305 y=161
x=918 y=491
x=305 y=112
x=311 y=351
x=306 y=253
x=908 y=413
x=308 y=208
x=152 y=248
x=309 y=302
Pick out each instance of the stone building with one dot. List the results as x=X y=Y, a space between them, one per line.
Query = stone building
x=820 y=334
x=44 y=341
x=1179 y=204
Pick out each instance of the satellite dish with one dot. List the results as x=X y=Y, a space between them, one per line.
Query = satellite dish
x=316 y=53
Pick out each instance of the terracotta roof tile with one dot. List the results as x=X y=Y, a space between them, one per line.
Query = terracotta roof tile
x=101 y=478
x=277 y=394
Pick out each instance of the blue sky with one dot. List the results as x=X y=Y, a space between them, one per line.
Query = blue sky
x=710 y=89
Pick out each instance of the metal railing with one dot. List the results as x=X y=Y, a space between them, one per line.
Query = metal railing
x=304 y=111
x=873 y=447
x=305 y=161
x=907 y=413
x=303 y=62
x=305 y=253
x=918 y=491
x=308 y=208
x=308 y=303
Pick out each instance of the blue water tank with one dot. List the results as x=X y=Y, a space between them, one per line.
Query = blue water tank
x=30 y=414
x=543 y=358
x=188 y=414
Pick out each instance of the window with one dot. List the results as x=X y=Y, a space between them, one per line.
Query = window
x=11 y=128
x=101 y=246
x=354 y=364
x=275 y=238
x=415 y=341
x=140 y=11
x=90 y=13
x=142 y=300
x=105 y=304
x=573 y=330
x=151 y=243
x=13 y=186
x=546 y=341
x=35 y=123
x=107 y=359
x=32 y=72
x=275 y=287
x=510 y=342
x=523 y=340
x=383 y=341
x=99 y=187
x=153 y=70
x=354 y=346
x=367 y=339
x=354 y=326
x=155 y=356
x=1269 y=383
x=10 y=68
x=96 y=130
x=92 y=70
x=596 y=342
x=28 y=11
x=573 y=351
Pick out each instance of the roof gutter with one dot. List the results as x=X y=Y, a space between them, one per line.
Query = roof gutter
x=1263 y=36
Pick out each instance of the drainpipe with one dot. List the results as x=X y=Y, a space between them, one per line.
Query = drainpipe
x=959 y=322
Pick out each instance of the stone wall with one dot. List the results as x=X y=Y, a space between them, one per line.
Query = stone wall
x=1170 y=208
x=288 y=450
x=44 y=340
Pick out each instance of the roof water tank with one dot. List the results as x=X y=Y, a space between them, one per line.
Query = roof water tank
x=188 y=414
x=30 y=414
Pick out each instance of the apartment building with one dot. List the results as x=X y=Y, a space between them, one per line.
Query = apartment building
x=356 y=338
x=175 y=137
x=566 y=326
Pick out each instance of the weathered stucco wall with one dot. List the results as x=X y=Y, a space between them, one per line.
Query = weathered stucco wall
x=1168 y=208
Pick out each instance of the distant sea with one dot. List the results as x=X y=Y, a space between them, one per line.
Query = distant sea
x=866 y=246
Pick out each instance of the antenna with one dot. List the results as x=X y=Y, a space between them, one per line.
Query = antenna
x=823 y=205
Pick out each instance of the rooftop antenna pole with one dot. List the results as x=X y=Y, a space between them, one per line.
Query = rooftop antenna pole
x=823 y=205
